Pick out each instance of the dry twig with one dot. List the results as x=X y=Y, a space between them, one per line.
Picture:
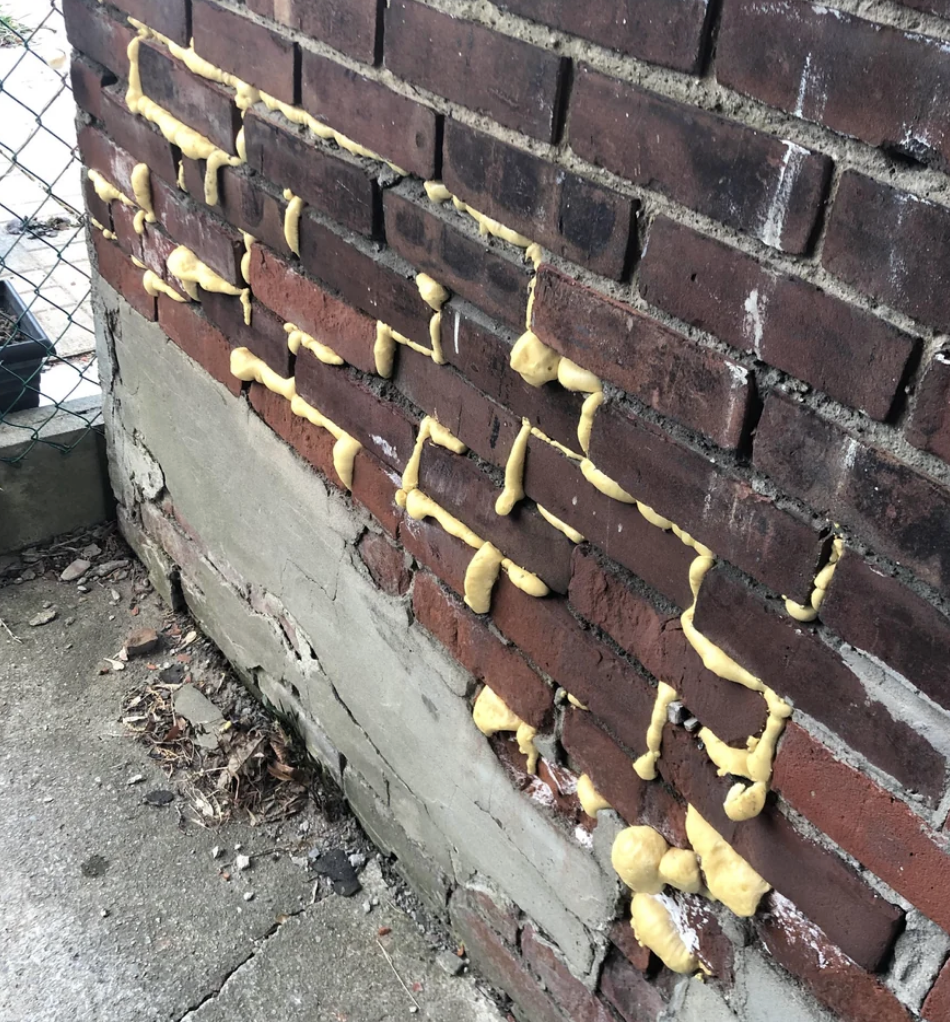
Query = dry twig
x=396 y=974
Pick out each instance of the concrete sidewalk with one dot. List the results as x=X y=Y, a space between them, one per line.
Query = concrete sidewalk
x=111 y=911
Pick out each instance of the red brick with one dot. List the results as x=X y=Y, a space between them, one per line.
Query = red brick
x=622 y=937
x=667 y=371
x=398 y=129
x=721 y=511
x=243 y=202
x=385 y=562
x=937 y=1006
x=496 y=910
x=902 y=513
x=136 y=136
x=483 y=356
x=301 y=301
x=375 y=488
x=463 y=489
x=789 y=656
x=572 y=996
x=93 y=33
x=265 y=337
x=877 y=613
x=347 y=401
x=199 y=340
x=119 y=271
x=253 y=52
x=658 y=642
x=465 y=264
x=313 y=444
x=715 y=949
x=884 y=834
x=767 y=187
x=373 y=283
x=890 y=245
x=568 y=214
x=87 y=81
x=445 y=556
x=203 y=105
x=836 y=347
x=353 y=27
x=171 y=18
x=830 y=893
x=469 y=640
x=100 y=153
x=628 y=990
x=929 y=426
x=516 y=84
x=331 y=181
x=883 y=85
x=672 y=35
x=800 y=947
x=618 y=529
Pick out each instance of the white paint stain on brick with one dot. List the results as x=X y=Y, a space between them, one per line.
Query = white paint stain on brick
x=456 y=332
x=799 y=930
x=773 y=226
x=753 y=322
x=384 y=445
x=803 y=87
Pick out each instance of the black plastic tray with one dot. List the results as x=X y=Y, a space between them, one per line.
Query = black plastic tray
x=22 y=356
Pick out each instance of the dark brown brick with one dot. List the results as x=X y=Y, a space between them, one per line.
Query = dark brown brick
x=941 y=7
x=447 y=557
x=879 y=614
x=301 y=301
x=622 y=937
x=352 y=27
x=332 y=182
x=634 y=998
x=672 y=35
x=568 y=214
x=243 y=203
x=890 y=245
x=398 y=129
x=468 y=266
x=374 y=486
x=901 y=512
x=199 y=340
x=171 y=18
x=884 y=85
x=836 y=347
x=674 y=375
x=265 y=337
x=460 y=486
x=790 y=656
x=203 y=105
x=929 y=426
x=96 y=208
x=516 y=84
x=88 y=81
x=255 y=54
x=93 y=33
x=385 y=562
x=574 y=998
x=722 y=512
x=100 y=153
x=138 y=137
x=822 y=885
x=121 y=273
x=767 y=187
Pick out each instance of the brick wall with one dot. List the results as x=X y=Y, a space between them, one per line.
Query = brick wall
x=620 y=331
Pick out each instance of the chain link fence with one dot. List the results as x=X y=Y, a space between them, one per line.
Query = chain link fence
x=47 y=341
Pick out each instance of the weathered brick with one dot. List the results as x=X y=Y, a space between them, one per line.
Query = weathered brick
x=903 y=513
x=171 y=18
x=374 y=486
x=572 y=996
x=93 y=33
x=330 y=181
x=880 y=615
x=929 y=426
x=516 y=84
x=468 y=266
x=829 y=892
x=721 y=511
x=264 y=337
x=890 y=245
x=385 y=562
x=674 y=375
x=96 y=208
x=207 y=107
x=398 y=129
x=308 y=306
x=836 y=347
x=463 y=489
x=100 y=153
x=354 y=27
x=789 y=657
x=568 y=214
x=87 y=81
x=481 y=653
x=937 y=1005
x=884 y=85
x=252 y=52
x=447 y=557
x=136 y=136
x=800 y=947
x=347 y=401
x=634 y=998
x=767 y=187
x=659 y=558
x=622 y=937
x=941 y=7
x=884 y=834
x=119 y=271
x=657 y=641
x=198 y=339
x=672 y=35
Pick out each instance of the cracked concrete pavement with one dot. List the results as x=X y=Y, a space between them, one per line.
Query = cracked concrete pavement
x=108 y=910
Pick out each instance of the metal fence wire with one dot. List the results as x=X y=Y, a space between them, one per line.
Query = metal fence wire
x=47 y=340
